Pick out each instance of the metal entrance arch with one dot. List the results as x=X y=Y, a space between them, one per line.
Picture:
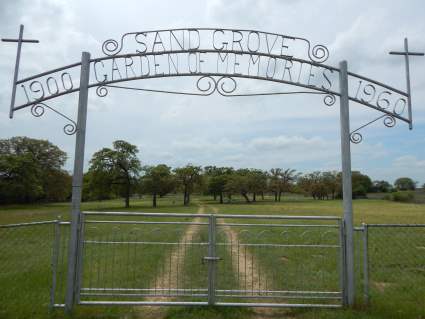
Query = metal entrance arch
x=216 y=58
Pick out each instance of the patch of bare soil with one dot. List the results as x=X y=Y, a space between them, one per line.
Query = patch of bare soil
x=251 y=274
x=169 y=279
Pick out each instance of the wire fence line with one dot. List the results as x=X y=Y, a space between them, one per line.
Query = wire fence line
x=390 y=262
x=26 y=252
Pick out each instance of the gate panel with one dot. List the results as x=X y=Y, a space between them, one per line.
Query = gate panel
x=280 y=261
x=200 y=259
x=144 y=259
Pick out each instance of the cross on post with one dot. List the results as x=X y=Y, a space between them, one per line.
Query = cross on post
x=406 y=54
x=20 y=40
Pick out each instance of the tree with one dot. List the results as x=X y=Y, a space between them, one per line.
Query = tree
x=362 y=184
x=31 y=169
x=320 y=185
x=404 y=184
x=239 y=183
x=281 y=181
x=97 y=185
x=332 y=183
x=118 y=167
x=216 y=179
x=381 y=187
x=257 y=182
x=188 y=176
x=157 y=180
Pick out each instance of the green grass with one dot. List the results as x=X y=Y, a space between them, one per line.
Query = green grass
x=27 y=273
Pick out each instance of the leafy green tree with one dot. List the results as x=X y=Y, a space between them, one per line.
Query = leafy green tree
x=404 y=184
x=362 y=184
x=257 y=182
x=332 y=183
x=188 y=176
x=238 y=183
x=381 y=187
x=281 y=181
x=157 y=180
x=97 y=185
x=314 y=185
x=31 y=169
x=216 y=179
x=118 y=167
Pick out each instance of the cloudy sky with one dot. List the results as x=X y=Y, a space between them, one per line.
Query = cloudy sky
x=297 y=132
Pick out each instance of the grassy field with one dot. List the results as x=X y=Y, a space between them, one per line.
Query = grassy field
x=27 y=274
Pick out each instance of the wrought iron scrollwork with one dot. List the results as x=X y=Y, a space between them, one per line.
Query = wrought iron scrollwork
x=319 y=53
x=356 y=137
x=102 y=91
x=206 y=85
x=38 y=110
x=224 y=85
x=329 y=99
x=111 y=46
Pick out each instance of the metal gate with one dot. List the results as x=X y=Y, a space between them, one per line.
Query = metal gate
x=210 y=259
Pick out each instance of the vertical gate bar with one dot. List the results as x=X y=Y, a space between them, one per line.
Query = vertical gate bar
x=346 y=180
x=80 y=258
x=366 y=263
x=55 y=260
x=77 y=181
x=342 y=263
x=211 y=262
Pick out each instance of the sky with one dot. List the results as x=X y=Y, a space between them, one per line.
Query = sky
x=298 y=132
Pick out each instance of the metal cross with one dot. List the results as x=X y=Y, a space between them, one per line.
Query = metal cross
x=20 y=40
x=406 y=54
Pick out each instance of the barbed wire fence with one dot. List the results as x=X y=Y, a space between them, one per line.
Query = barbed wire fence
x=390 y=266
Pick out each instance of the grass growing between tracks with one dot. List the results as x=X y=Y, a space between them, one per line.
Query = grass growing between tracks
x=28 y=273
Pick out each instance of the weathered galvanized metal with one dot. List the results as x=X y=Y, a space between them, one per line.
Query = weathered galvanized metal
x=210 y=250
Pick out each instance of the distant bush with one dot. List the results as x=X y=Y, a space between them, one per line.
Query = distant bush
x=388 y=197
x=404 y=197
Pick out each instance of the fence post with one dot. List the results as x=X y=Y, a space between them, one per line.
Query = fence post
x=80 y=258
x=211 y=259
x=77 y=182
x=366 y=263
x=346 y=181
x=55 y=260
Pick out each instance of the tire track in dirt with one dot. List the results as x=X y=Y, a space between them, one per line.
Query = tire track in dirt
x=168 y=279
x=251 y=275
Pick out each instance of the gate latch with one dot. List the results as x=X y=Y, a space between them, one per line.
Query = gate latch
x=208 y=258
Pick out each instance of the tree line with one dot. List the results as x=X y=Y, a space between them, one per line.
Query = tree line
x=32 y=170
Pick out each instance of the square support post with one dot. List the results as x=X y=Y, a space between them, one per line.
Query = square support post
x=346 y=184
x=77 y=183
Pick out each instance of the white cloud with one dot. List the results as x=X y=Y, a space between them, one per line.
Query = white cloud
x=409 y=162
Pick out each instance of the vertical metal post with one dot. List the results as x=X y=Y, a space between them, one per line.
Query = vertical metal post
x=15 y=75
x=366 y=263
x=211 y=259
x=55 y=260
x=409 y=94
x=80 y=252
x=77 y=181
x=346 y=181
